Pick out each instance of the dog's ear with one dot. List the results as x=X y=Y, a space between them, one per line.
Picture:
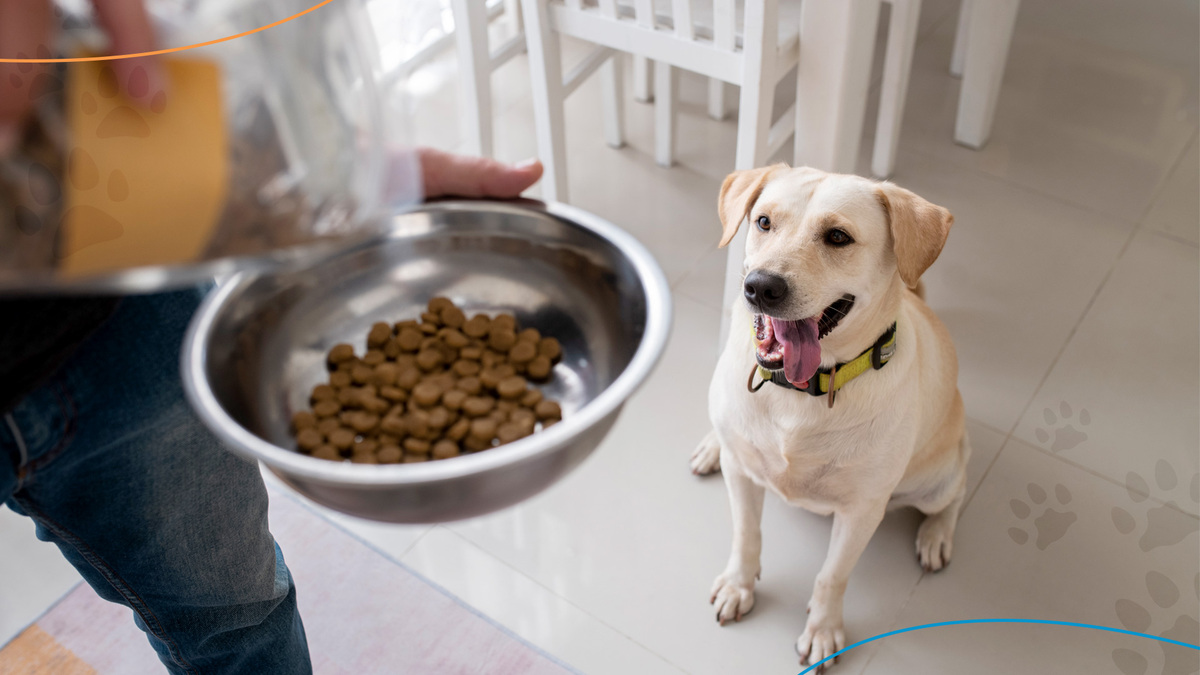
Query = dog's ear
x=919 y=230
x=738 y=193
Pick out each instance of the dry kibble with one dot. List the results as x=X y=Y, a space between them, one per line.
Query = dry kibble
x=548 y=410
x=328 y=426
x=430 y=388
x=522 y=352
x=427 y=393
x=476 y=406
x=465 y=368
x=308 y=439
x=453 y=317
x=550 y=348
x=326 y=408
x=304 y=420
x=436 y=305
x=459 y=429
x=341 y=438
x=511 y=387
x=417 y=446
x=340 y=353
x=478 y=326
x=429 y=359
x=531 y=398
x=445 y=449
x=539 y=368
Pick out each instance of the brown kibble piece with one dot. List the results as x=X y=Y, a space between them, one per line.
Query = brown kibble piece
x=478 y=326
x=364 y=422
x=341 y=352
x=500 y=416
x=539 y=368
x=393 y=394
x=550 y=348
x=501 y=340
x=304 y=420
x=326 y=408
x=506 y=321
x=341 y=438
x=453 y=399
x=379 y=335
x=385 y=375
x=429 y=328
x=392 y=349
x=466 y=368
x=408 y=378
x=510 y=431
x=477 y=406
x=439 y=417
x=410 y=339
x=427 y=393
x=456 y=339
x=471 y=385
x=529 y=335
x=437 y=304
x=366 y=445
x=548 y=410
x=473 y=444
x=308 y=439
x=414 y=459
x=430 y=318
x=429 y=359
x=418 y=423
x=470 y=353
x=483 y=429
x=523 y=416
x=389 y=454
x=322 y=392
x=511 y=387
x=328 y=426
x=327 y=452
x=445 y=449
x=416 y=446
x=394 y=425
x=373 y=358
x=339 y=380
x=459 y=429
x=506 y=406
x=531 y=398
x=361 y=374
x=375 y=405
x=364 y=458
x=453 y=317
x=522 y=352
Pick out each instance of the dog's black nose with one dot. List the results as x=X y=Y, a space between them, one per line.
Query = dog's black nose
x=764 y=290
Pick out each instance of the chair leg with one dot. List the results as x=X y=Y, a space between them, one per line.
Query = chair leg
x=902 y=38
x=716 y=99
x=612 y=91
x=643 y=79
x=959 y=56
x=475 y=71
x=988 y=38
x=546 y=84
x=666 y=112
x=512 y=16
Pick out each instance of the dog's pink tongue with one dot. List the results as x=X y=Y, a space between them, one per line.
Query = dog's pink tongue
x=801 y=350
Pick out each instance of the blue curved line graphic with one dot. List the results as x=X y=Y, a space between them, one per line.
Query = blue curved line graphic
x=969 y=621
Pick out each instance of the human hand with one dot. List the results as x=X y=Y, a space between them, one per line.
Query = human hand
x=27 y=30
x=446 y=174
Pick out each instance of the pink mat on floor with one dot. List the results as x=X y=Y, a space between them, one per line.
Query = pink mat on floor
x=363 y=613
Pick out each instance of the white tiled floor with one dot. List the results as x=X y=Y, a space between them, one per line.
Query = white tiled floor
x=1070 y=286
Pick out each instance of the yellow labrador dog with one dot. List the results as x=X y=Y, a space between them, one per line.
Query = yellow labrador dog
x=837 y=389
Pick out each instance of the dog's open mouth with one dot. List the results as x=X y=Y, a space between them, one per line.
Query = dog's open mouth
x=794 y=346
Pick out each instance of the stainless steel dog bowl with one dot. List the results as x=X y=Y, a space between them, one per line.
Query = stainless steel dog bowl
x=257 y=346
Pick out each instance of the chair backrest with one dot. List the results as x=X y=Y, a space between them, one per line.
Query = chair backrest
x=678 y=17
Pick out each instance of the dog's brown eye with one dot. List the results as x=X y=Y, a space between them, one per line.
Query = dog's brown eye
x=764 y=223
x=837 y=238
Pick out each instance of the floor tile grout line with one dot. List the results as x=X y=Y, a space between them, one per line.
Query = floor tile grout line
x=542 y=586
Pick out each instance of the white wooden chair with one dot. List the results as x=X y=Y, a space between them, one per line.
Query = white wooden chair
x=477 y=61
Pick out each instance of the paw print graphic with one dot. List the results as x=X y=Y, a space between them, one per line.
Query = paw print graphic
x=1136 y=616
x=1051 y=525
x=1163 y=526
x=1065 y=435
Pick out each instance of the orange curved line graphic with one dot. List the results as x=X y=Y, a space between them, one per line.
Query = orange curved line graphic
x=156 y=52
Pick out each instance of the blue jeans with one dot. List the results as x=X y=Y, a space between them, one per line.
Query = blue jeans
x=113 y=467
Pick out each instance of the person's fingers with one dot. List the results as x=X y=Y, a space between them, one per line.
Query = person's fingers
x=446 y=174
x=26 y=27
x=130 y=32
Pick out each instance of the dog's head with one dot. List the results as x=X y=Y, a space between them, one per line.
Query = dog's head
x=827 y=255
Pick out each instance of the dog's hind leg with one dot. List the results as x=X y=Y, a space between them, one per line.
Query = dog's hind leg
x=706 y=458
x=935 y=537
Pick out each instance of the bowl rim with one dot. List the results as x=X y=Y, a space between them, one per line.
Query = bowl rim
x=296 y=465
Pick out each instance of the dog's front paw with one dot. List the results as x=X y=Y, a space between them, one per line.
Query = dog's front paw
x=707 y=456
x=819 y=641
x=935 y=542
x=733 y=596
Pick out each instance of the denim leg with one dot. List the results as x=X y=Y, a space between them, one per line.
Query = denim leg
x=146 y=504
